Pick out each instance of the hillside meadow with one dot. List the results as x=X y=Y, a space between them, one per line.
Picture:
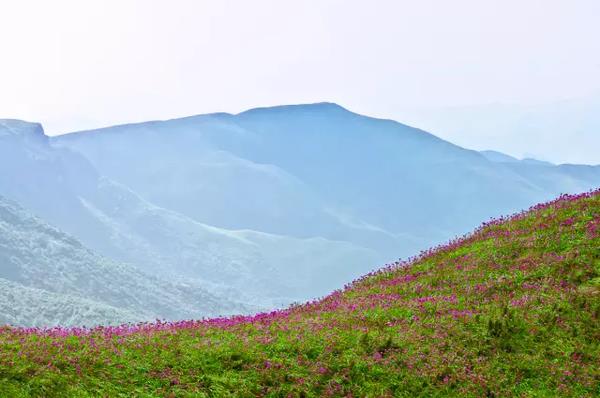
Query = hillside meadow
x=511 y=309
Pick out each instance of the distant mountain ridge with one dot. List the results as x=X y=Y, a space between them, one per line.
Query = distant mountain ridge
x=500 y=157
x=269 y=206
x=20 y=128
x=539 y=128
x=63 y=187
x=50 y=278
x=335 y=154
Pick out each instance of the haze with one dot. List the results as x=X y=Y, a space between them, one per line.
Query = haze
x=75 y=65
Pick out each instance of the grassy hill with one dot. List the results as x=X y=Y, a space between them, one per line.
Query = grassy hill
x=510 y=310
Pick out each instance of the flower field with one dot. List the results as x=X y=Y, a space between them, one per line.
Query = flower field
x=510 y=310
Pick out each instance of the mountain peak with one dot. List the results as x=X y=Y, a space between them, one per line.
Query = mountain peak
x=21 y=128
x=310 y=107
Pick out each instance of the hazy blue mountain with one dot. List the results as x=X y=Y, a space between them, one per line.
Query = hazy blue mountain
x=499 y=157
x=178 y=247
x=191 y=174
x=62 y=186
x=524 y=130
x=26 y=306
x=268 y=206
x=375 y=183
x=48 y=277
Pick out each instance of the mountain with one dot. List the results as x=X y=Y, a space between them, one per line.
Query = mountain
x=495 y=156
x=270 y=206
x=521 y=129
x=26 y=306
x=320 y=170
x=50 y=278
x=508 y=310
x=64 y=188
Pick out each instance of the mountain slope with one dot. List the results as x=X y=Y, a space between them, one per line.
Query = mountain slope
x=191 y=174
x=538 y=130
x=65 y=189
x=509 y=310
x=375 y=183
x=246 y=263
x=27 y=306
x=49 y=271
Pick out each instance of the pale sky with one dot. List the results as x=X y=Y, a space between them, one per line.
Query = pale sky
x=81 y=64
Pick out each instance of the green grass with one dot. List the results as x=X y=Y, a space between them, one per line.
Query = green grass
x=511 y=310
